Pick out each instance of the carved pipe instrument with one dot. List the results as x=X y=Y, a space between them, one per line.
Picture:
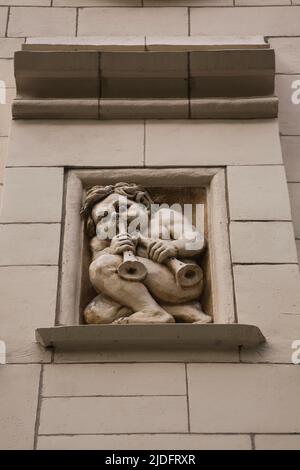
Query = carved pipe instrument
x=131 y=268
x=186 y=274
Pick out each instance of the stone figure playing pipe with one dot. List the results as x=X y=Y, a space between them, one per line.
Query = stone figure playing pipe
x=146 y=288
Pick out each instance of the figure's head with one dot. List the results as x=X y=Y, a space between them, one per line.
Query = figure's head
x=104 y=202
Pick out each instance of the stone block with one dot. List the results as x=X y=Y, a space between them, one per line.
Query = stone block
x=3 y=20
x=97 y=3
x=294 y=191
x=258 y=193
x=9 y=46
x=194 y=143
x=244 y=398
x=57 y=74
x=3 y=156
x=287 y=54
x=263 y=242
x=134 y=21
x=277 y=442
x=5 y=112
x=114 y=379
x=144 y=75
x=268 y=21
x=38 y=21
x=7 y=72
x=269 y=296
x=146 y=442
x=28 y=301
x=128 y=415
x=232 y=73
x=77 y=143
x=32 y=195
x=287 y=89
x=29 y=244
x=18 y=403
x=291 y=157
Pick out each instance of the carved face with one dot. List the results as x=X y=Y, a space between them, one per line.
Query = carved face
x=107 y=213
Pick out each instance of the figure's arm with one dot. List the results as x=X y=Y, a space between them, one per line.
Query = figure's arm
x=183 y=240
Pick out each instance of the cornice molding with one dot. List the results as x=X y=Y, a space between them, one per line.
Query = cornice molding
x=148 y=78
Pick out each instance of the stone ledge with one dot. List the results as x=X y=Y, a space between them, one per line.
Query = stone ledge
x=144 y=43
x=147 y=78
x=187 y=337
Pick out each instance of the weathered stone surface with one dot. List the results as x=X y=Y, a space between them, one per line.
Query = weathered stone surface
x=291 y=156
x=261 y=2
x=134 y=21
x=178 y=3
x=287 y=54
x=88 y=143
x=269 y=21
x=97 y=3
x=32 y=195
x=57 y=74
x=294 y=191
x=268 y=296
x=144 y=109
x=25 y=3
x=144 y=75
x=82 y=357
x=28 y=296
x=7 y=73
x=193 y=143
x=190 y=43
x=3 y=155
x=83 y=43
x=114 y=379
x=5 y=113
x=29 y=244
x=3 y=20
x=263 y=242
x=130 y=415
x=244 y=398
x=252 y=194
x=287 y=89
x=146 y=441
x=18 y=403
x=9 y=46
x=38 y=21
x=277 y=442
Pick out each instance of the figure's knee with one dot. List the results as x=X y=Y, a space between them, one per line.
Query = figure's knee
x=104 y=266
x=185 y=294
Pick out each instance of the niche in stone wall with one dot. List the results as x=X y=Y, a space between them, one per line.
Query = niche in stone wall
x=78 y=298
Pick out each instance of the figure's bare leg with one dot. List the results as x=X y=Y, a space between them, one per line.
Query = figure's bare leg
x=103 y=310
x=105 y=279
x=162 y=284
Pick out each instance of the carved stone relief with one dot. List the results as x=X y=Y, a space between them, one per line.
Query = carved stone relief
x=144 y=259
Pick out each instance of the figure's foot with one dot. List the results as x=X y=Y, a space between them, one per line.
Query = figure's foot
x=190 y=312
x=146 y=316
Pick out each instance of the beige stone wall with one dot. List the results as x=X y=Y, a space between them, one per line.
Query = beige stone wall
x=232 y=400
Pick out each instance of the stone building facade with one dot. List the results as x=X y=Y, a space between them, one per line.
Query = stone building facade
x=214 y=398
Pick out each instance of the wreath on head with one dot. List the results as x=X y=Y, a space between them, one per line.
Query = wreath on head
x=132 y=191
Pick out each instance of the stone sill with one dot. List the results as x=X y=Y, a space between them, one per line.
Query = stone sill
x=185 y=337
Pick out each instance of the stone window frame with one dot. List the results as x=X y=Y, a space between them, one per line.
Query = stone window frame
x=213 y=179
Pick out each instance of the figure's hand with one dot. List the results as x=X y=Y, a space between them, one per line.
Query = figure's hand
x=122 y=242
x=161 y=250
